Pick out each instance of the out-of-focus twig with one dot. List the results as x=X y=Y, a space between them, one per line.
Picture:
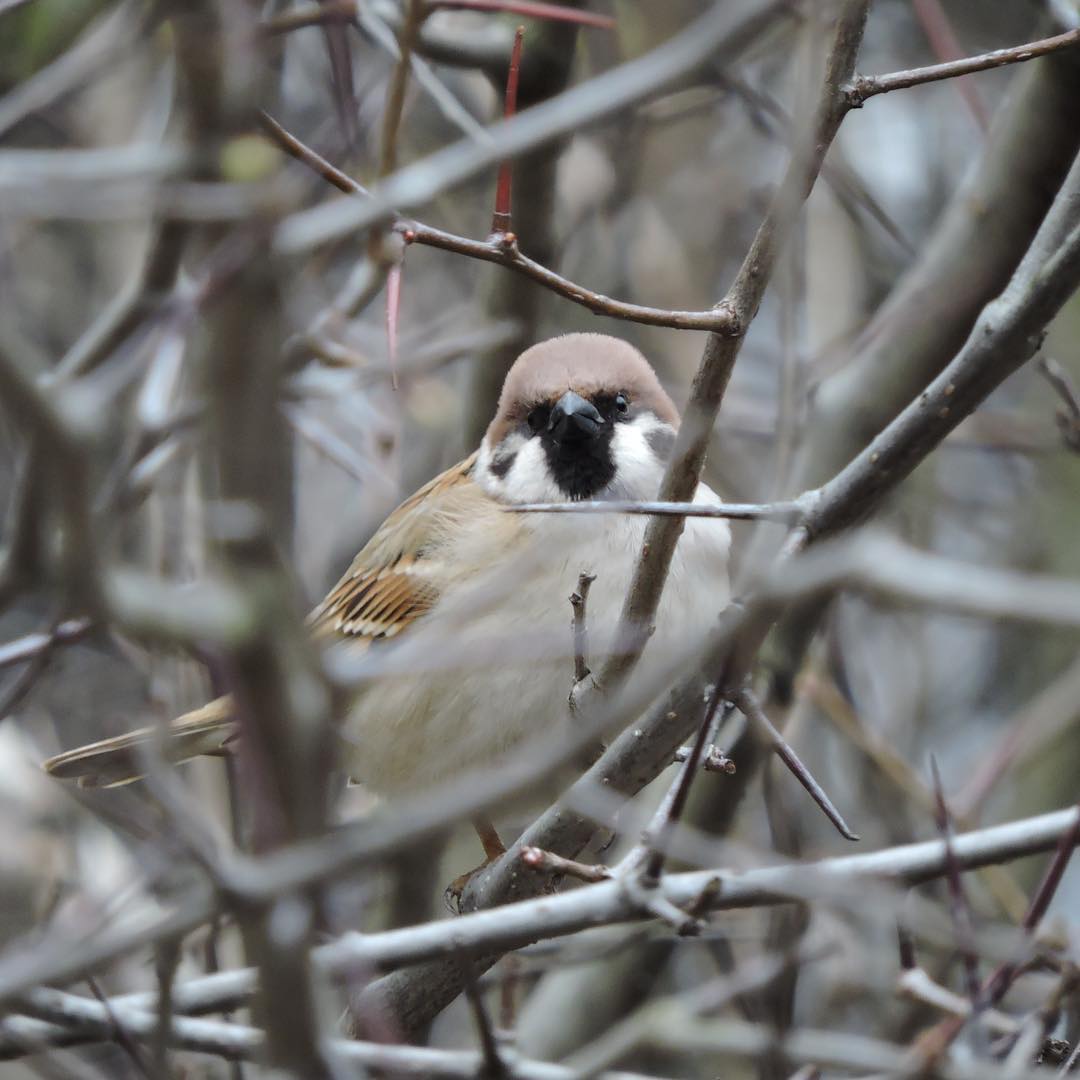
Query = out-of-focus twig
x=505 y=252
x=785 y=513
x=516 y=924
x=713 y=36
x=1068 y=417
x=959 y=905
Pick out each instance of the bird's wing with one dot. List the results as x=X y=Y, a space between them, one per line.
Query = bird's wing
x=401 y=571
x=396 y=578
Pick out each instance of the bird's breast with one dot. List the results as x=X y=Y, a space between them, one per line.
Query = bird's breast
x=492 y=665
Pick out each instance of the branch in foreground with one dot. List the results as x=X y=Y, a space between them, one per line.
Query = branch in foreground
x=668 y=1029
x=785 y=513
x=64 y=1019
x=743 y=299
x=522 y=923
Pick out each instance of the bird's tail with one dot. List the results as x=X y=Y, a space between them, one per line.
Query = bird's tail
x=122 y=759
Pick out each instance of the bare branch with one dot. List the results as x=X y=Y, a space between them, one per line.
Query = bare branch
x=520 y=923
x=863 y=87
x=713 y=36
x=503 y=250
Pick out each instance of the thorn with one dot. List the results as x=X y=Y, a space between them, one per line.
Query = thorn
x=749 y=706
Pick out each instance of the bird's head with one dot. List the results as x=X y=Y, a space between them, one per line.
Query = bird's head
x=581 y=416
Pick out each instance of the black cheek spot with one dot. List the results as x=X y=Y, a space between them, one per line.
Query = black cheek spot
x=661 y=441
x=500 y=466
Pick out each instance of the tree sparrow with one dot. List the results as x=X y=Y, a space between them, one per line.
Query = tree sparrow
x=450 y=574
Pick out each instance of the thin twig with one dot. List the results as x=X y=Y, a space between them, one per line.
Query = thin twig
x=578 y=601
x=863 y=87
x=493 y=1064
x=959 y=905
x=532 y=9
x=671 y=809
x=120 y=1033
x=945 y=45
x=345 y=11
x=916 y=984
x=550 y=863
x=1068 y=417
x=785 y=513
x=504 y=251
x=399 y=81
x=715 y=759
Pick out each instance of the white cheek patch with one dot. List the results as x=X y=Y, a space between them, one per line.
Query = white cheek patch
x=529 y=479
x=517 y=471
x=638 y=469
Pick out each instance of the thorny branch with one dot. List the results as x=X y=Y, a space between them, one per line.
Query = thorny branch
x=244 y=613
x=502 y=249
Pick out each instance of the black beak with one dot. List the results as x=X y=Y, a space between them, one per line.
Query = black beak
x=573 y=419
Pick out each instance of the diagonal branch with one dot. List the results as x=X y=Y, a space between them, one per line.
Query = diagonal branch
x=715 y=36
x=742 y=301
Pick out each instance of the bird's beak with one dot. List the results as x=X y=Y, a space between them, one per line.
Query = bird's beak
x=573 y=419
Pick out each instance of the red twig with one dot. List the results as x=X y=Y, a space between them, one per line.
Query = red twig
x=501 y=219
x=934 y=1042
x=503 y=250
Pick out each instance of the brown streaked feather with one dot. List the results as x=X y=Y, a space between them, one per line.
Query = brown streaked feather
x=399 y=574
x=395 y=579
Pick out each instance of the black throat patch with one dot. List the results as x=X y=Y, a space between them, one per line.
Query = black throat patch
x=581 y=469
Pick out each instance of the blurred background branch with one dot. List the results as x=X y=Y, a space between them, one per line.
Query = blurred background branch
x=227 y=349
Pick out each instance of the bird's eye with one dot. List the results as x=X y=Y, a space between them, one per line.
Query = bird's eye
x=538 y=419
x=622 y=404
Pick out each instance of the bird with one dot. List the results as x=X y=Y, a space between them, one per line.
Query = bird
x=472 y=602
